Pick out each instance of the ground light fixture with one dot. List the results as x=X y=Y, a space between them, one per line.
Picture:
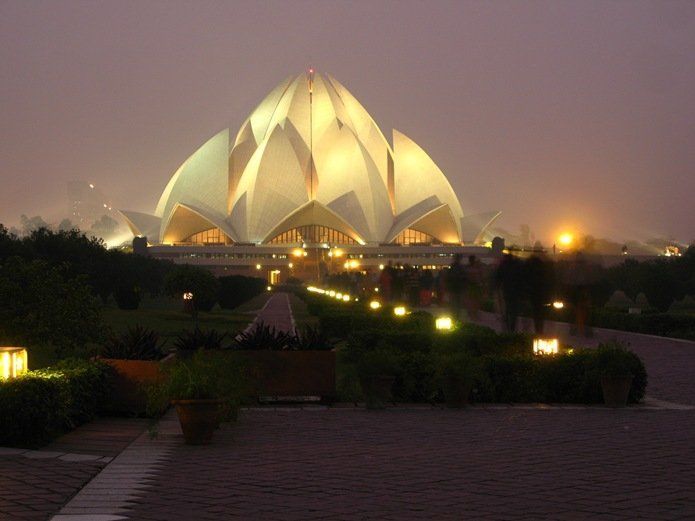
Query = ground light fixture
x=374 y=304
x=13 y=362
x=269 y=288
x=399 y=311
x=558 y=304
x=546 y=346
x=444 y=323
x=346 y=298
x=188 y=296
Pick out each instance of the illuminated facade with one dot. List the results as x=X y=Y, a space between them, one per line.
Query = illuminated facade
x=308 y=168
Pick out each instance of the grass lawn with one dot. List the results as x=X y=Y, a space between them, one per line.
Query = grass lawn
x=167 y=318
x=299 y=311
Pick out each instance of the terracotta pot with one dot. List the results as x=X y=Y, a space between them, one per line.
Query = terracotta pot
x=132 y=377
x=377 y=390
x=616 y=390
x=457 y=391
x=198 y=419
x=291 y=374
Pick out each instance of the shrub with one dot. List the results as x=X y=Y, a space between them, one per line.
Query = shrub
x=310 y=339
x=127 y=297
x=190 y=341
x=137 y=343
x=262 y=337
x=234 y=290
x=199 y=281
x=43 y=404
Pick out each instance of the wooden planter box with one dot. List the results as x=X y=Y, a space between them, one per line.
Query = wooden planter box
x=132 y=378
x=291 y=375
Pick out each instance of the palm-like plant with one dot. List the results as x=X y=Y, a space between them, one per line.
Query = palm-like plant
x=136 y=343
x=262 y=337
x=190 y=341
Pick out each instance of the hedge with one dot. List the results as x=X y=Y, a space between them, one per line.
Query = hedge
x=43 y=404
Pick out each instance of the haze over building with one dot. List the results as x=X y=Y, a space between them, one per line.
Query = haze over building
x=310 y=168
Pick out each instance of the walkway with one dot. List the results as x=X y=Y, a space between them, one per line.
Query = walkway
x=276 y=313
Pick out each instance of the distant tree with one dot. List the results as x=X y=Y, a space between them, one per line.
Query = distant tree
x=237 y=289
x=105 y=226
x=66 y=225
x=32 y=224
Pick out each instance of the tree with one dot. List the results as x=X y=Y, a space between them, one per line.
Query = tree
x=200 y=282
x=66 y=225
x=32 y=224
x=43 y=305
x=105 y=226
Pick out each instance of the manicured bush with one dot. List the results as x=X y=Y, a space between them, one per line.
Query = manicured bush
x=43 y=404
x=234 y=290
x=185 y=278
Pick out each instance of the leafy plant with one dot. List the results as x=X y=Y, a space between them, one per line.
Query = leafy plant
x=378 y=362
x=190 y=341
x=206 y=375
x=310 y=339
x=263 y=337
x=136 y=343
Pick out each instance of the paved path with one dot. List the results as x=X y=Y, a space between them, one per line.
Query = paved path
x=427 y=463
x=277 y=313
x=37 y=483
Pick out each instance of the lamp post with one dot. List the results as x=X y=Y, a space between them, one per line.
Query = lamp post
x=190 y=307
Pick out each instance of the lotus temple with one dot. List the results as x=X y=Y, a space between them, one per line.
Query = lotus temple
x=310 y=185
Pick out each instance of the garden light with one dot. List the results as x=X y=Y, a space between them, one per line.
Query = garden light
x=399 y=311
x=258 y=266
x=269 y=288
x=375 y=304
x=331 y=293
x=346 y=298
x=443 y=323
x=13 y=362
x=338 y=296
x=558 y=304
x=188 y=296
x=545 y=346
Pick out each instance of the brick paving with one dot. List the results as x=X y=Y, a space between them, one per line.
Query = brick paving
x=427 y=463
x=33 y=489
x=35 y=484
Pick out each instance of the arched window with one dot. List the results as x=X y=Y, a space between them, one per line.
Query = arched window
x=410 y=236
x=211 y=236
x=312 y=234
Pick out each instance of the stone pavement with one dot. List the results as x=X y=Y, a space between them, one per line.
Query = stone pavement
x=34 y=484
x=428 y=463
x=277 y=313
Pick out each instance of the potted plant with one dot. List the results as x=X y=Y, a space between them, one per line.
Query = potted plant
x=616 y=377
x=136 y=356
x=457 y=371
x=205 y=389
x=376 y=370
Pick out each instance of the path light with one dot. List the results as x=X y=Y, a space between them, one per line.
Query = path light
x=188 y=296
x=399 y=311
x=558 y=304
x=258 y=266
x=13 y=362
x=443 y=323
x=331 y=293
x=375 y=304
x=269 y=288
x=346 y=298
x=338 y=296
x=546 y=346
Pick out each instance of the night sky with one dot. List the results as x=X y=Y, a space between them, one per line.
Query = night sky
x=561 y=114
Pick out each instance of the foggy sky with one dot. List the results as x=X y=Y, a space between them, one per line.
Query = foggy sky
x=559 y=114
